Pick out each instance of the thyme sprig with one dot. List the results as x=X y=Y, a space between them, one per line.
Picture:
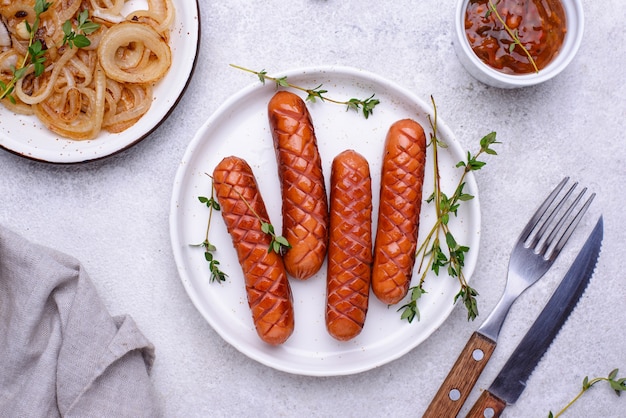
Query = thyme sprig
x=78 y=37
x=513 y=33
x=34 y=55
x=617 y=384
x=365 y=105
x=217 y=275
x=278 y=243
x=448 y=255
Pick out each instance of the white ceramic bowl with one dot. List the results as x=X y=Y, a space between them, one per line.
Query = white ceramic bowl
x=482 y=72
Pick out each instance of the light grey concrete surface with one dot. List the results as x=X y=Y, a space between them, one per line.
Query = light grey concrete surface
x=113 y=214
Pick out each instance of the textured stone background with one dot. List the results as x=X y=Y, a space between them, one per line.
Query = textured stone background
x=113 y=214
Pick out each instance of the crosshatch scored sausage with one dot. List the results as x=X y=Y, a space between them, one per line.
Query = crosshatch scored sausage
x=350 y=246
x=399 y=210
x=267 y=287
x=305 y=205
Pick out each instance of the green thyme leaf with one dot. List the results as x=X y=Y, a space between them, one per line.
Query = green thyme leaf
x=410 y=310
x=41 y=6
x=267 y=228
x=318 y=93
x=77 y=38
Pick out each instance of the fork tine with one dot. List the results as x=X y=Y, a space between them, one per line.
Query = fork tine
x=532 y=223
x=550 y=238
x=570 y=229
x=541 y=231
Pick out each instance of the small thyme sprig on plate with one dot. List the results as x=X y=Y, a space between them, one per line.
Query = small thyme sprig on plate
x=217 y=275
x=433 y=256
x=78 y=37
x=491 y=8
x=617 y=384
x=366 y=105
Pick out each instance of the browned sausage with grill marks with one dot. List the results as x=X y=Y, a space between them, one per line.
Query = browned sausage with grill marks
x=349 y=247
x=267 y=287
x=402 y=179
x=305 y=205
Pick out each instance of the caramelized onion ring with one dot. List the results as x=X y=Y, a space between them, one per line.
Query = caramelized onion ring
x=123 y=35
x=8 y=60
x=134 y=101
x=160 y=15
x=65 y=9
x=43 y=93
x=108 y=6
x=55 y=112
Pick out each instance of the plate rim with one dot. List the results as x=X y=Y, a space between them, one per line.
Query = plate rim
x=176 y=198
x=157 y=124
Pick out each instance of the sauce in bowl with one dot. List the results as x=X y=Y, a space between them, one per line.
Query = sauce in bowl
x=540 y=26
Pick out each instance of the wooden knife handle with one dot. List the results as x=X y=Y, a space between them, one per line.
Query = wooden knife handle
x=462 y=377
x=487 y=405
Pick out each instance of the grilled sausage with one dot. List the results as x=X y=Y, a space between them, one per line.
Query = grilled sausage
x=267 y=287
x=304 y=206
x=398 y=216
x=349 y=247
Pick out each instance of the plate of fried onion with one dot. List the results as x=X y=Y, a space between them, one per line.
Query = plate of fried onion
x=81 y=80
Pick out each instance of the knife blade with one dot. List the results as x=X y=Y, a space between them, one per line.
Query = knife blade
x=511 y=381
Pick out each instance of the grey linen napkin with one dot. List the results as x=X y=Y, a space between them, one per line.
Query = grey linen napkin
x=61 y=353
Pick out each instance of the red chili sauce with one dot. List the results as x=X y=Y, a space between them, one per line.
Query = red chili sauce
x=540 y=26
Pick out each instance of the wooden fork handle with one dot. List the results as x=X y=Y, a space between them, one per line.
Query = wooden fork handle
x=462 y=377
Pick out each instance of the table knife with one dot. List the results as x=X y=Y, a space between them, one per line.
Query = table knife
x=511 y=381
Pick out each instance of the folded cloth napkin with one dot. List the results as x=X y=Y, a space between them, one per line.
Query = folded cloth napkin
x=61 y=353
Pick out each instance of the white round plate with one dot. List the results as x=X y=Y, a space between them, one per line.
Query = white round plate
x=26 y=135
x=240 y=127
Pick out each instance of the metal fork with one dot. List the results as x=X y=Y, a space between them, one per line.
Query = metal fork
x=535 y=251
